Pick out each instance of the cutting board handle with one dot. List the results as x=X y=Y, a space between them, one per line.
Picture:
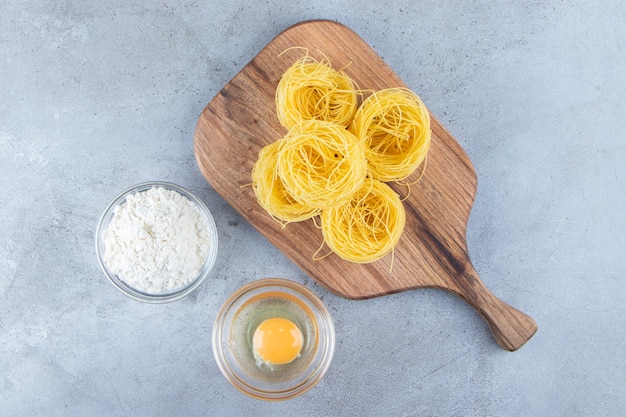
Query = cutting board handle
x=510 y=327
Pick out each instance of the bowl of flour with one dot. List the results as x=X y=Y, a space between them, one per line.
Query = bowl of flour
x=156 y=242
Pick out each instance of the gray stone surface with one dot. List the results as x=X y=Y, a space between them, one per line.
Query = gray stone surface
x=97 y=96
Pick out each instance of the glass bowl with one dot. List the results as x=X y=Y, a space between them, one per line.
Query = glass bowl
x=239 y=317
x=162 y=296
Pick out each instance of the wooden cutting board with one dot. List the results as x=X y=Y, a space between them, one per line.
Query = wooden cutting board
x=432 y=252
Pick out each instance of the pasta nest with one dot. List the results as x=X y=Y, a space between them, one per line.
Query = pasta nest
x=394 y=123
x=270 y=190
x=312 y=90
x=368 y=226
x=321 y=164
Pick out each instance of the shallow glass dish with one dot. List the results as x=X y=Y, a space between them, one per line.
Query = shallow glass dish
x=161 y=297
x=239 y=317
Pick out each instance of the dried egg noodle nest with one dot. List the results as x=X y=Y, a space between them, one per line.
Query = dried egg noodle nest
x=395 y=126
x=312 y=90
x=321 y=164
x=270 y=191
x=368 y=226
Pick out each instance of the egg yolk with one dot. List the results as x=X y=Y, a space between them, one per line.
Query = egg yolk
x=277 y=341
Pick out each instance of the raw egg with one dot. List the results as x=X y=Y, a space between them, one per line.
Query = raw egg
x=277 y=341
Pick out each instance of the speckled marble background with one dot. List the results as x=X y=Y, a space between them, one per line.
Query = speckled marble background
x=97 y=96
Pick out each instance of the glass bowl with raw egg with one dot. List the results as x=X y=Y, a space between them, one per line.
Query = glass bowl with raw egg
x=273 y=339
x=156 y=242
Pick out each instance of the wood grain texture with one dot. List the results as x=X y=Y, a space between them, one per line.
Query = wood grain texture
x=432 y=252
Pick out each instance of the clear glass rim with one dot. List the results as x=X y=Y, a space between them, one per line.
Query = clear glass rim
x=162 y=297
x=326 y=345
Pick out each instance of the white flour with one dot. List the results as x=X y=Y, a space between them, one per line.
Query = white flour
x=157 y=241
